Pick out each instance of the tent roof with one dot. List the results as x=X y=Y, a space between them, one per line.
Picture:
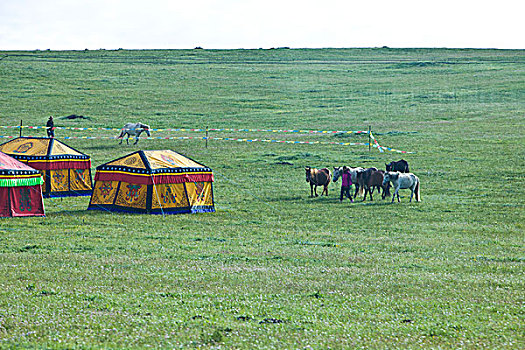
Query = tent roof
x=9 y=164
x=153 y=162
x=44 y=153
x=15 y=173
x=42 y=147
x=160 y=166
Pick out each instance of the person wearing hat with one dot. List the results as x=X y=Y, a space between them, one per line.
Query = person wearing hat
x=50 y=127
x=346 y=184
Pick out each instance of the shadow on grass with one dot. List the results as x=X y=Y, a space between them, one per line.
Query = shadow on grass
x=106 y=146
x=302 y=199
x=374 y=203
x=75 y=213
x=84 y=213
x=330 y=199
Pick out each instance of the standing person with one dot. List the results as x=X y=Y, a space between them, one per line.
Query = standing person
x=346 y=184
x=50 y=127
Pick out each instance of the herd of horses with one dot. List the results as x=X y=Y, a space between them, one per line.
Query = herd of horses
x=365 y=180
x=369 y=179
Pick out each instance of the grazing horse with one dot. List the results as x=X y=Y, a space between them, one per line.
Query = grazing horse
x=338 y=171
x=400 y=165
x=372 y=178
x=318 y=177
x=403 y=181
x=133 y=129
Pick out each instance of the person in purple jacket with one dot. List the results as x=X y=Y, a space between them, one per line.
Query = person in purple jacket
x=346 y=184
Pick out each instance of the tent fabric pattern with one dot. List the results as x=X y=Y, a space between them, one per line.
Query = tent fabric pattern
x=154 y=182
x=66 y=171
x=20 y=189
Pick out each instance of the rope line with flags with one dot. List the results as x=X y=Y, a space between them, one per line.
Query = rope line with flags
x=374 y=142
x=196 y=130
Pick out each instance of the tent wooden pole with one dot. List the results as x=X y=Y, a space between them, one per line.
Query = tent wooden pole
x=158 y=198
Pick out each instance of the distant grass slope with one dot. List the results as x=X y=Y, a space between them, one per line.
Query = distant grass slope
x=273 y=268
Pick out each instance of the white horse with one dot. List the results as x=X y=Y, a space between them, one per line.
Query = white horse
x=133 y=129
x=338 y=171
x=403 y=181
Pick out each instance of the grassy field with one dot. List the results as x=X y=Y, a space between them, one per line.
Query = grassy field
x=274 y=268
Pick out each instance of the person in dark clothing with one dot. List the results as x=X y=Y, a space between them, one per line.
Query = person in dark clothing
x=346 y=184
x=50 y=127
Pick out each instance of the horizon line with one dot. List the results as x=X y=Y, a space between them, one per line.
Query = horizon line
x=385 y=47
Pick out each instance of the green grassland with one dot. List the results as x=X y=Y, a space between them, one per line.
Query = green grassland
x=274 y=268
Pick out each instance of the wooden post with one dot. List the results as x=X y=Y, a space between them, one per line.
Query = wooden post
x=369 y=138
x=20 y=127
x=206 y=136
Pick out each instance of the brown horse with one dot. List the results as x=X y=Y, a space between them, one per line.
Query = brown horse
x=318 y=177
x=372 y=178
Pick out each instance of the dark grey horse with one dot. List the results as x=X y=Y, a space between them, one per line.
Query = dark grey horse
x=400 y=165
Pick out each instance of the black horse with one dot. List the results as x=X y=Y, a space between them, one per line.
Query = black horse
x=400 y=165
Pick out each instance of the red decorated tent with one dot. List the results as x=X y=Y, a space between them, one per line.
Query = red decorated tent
x=20 y=189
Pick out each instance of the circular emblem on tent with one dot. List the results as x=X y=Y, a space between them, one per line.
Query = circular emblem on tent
x=24 y=147
x=106 y=188
x=130 y=161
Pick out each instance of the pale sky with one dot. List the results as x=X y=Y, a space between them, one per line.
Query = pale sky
x=231 y=24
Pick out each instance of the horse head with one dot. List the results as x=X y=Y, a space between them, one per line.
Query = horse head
x=145 y=128
x=388 y=166
x=386 y=177
x=308 y=173
x=390 y=176
x=337 y=173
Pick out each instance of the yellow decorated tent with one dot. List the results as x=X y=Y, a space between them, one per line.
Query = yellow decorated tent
x=153 y=182
x=66 y=171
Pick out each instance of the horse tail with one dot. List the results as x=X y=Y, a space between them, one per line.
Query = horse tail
x=360 y=183
x=418 y=194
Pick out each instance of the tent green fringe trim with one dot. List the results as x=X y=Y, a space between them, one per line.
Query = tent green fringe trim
x=21 y=182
